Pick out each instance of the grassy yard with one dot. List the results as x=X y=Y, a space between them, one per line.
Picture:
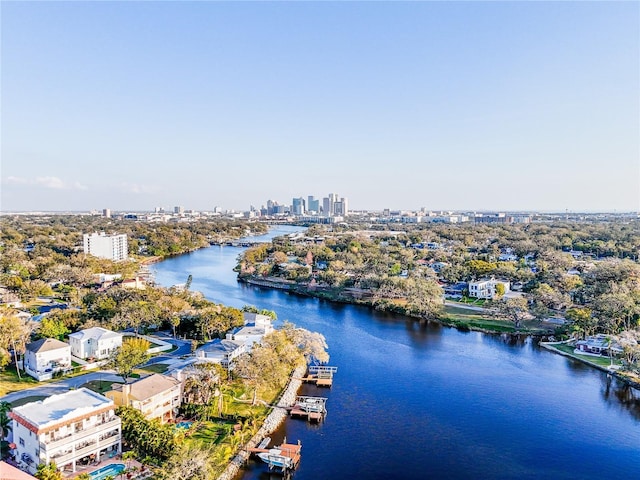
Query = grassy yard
x=155 y=368
x=600 y=361
x=9 y=381
x=99 y=386
x=471 y=319
x=25 y=400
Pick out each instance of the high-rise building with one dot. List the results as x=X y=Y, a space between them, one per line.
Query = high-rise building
x=178 y=210
x=333 y=205
x=112 y=247
x=298 y=206
x=106 y=213
x=313 y=204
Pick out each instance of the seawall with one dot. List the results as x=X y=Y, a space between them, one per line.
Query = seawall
x=271 y=423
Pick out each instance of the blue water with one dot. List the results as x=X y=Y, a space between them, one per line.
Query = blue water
x=109 y=470
x=415 y=400
x=184 y=425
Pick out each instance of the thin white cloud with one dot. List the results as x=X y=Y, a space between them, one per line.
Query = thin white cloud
x=51 y=182
x=54 y=183
x=138 y=188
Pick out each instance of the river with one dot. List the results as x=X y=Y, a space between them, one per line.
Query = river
x=413 y=401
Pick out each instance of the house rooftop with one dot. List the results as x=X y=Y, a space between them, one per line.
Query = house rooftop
x=63 y=407
x=150 y=386
x=9 y=472
x=96 y=333
x=218 y=345
x=46 y=345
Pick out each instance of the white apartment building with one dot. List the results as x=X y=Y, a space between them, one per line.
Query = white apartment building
x=73 y=428
x=45 y=357
x=97 y=342
x=113 y=247
x=486 y=288
x=156 y=396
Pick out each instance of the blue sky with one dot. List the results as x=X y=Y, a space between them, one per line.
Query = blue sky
x=446 y=105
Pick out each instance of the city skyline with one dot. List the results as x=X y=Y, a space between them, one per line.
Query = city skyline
x=451 y=106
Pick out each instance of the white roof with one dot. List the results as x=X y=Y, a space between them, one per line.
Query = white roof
x=65 y=406
x=96 y=333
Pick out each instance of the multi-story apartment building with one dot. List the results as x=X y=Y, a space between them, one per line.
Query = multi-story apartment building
x=71 y=429
x=156 y=396
x=96 y=342
x=112 y=247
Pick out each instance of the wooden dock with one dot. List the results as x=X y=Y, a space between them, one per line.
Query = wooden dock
x=312 y=409
x=283 y=457
x=322 y=376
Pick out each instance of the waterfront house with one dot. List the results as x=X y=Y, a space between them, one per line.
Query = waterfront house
x=486 y=288
x=156 y=396
x=43 y=358
x=598 y=345
x=73 y=428
x=255 y=327
x=96 y=342
x=220 y=351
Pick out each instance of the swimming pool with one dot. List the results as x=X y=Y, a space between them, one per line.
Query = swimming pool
x=108 y=470
x=184 y=425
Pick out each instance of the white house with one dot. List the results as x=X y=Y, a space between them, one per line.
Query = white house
x=45 y=357
x=220 y=351
x=96 y=342
x=73 y=428
x=256 y=326
x=486 y=288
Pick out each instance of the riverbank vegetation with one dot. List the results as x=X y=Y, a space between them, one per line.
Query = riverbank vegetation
x=564 y=278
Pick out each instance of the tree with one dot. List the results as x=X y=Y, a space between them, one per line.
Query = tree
x=514 y=309
x=132 y=353
x=52 y=328
x=14 y=335
x=48 y=471
x=500 y=290
x=188 y=462
x=582 y=321
x=5 y=421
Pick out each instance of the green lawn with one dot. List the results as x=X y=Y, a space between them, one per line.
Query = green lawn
x=25 y=400
x=155 y=368
x=99 y=386
x=9 y=381
x=471 y=319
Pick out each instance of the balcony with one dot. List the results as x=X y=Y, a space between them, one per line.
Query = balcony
x=74 y=437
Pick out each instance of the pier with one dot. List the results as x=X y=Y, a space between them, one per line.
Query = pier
x=322 y=376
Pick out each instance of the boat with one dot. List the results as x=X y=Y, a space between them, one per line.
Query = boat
x=311 y=404
x=285 y=457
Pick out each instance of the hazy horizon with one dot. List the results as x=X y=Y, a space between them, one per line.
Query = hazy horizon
x=487 y=106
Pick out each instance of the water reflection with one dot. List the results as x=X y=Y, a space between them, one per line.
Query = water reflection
x=620 y=394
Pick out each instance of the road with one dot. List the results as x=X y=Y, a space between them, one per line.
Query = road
x=61 y=386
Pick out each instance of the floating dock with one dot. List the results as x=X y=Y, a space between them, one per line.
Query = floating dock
x=322 y=376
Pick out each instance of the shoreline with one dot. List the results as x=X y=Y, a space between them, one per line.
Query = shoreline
x=615 y=373
x=275 y=418
x=292 y=287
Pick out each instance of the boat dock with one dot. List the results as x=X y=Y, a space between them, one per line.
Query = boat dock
x=322 y=376
x=284 y=457
x=313 y=409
